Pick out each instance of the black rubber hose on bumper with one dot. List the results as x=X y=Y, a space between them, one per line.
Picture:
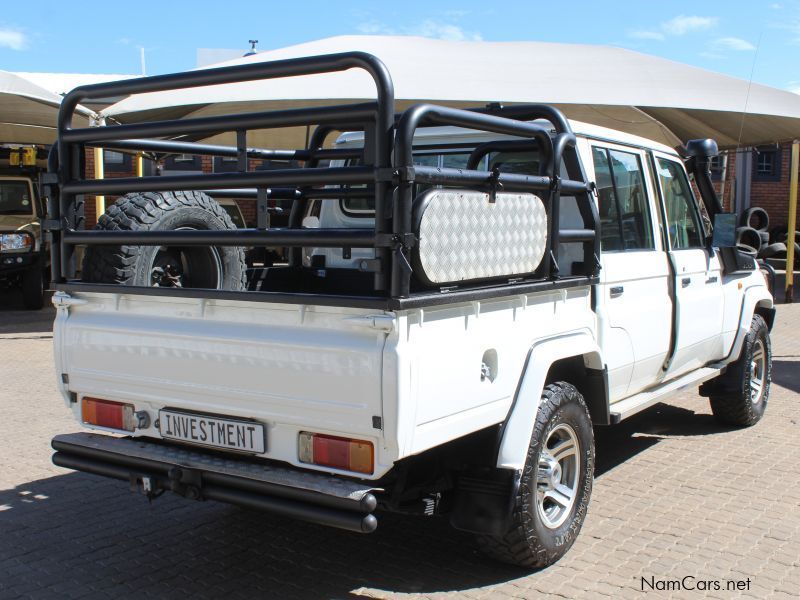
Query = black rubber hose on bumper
x=323 y=515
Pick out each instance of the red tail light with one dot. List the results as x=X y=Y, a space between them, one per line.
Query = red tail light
x=336 y=452
x=105 y=413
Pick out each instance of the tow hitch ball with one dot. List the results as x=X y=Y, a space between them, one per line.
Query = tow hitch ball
x=183 y=482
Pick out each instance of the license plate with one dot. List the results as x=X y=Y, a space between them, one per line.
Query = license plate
x=216 y=432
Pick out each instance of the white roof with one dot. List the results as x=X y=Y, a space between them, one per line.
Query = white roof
x=437 y=135
x=63 y=83
x=27 y=111
x=609 y=86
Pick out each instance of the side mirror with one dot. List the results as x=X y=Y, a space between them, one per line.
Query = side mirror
x=724 y=230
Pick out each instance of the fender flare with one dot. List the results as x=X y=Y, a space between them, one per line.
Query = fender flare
x=518 y=426
x=755 y=296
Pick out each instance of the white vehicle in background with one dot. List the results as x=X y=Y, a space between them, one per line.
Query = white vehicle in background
x=467 y=295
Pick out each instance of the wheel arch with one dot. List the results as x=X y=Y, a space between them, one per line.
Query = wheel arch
x=552 y=359
x=756 y=301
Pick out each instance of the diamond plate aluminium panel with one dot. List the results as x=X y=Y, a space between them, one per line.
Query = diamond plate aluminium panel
x=464 y=236
x=266 y=473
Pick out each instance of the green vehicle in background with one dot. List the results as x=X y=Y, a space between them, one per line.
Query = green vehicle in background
x=23 y=255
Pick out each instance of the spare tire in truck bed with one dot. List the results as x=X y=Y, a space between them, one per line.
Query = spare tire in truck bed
x=210 y=267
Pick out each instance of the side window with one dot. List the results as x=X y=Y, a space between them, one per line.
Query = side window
x=683 y=223
x=625 y=222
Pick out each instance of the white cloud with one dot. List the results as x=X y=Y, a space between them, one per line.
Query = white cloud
x=679 y=25
x=794 y=86
x=733 y=43
x=683 y=24
x=11 y=38
x=643 y=34
x=429 y=28
x=372 y=28
x=444 y=31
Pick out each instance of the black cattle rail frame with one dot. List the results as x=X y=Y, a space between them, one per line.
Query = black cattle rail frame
x=385 y=172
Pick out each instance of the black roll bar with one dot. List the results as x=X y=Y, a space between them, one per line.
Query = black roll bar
x=385 y=172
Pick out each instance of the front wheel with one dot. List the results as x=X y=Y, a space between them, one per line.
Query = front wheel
x=556 y=483
x=742 y=399
x=33 y=289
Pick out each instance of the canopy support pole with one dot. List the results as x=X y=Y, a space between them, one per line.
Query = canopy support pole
x=792 y=226
x=99 y=173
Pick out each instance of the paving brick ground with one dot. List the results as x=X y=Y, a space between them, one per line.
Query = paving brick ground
x=676 y=495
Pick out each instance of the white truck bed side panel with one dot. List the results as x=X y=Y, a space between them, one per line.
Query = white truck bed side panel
x=441 y=350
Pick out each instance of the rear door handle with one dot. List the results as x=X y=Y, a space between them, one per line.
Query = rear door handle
x=686 y=281
x=616 y=291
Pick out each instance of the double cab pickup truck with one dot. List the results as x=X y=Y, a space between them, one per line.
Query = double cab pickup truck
x=466 y=296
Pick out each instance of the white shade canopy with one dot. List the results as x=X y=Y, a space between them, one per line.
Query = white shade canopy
x=613 y=87
x=28 y=112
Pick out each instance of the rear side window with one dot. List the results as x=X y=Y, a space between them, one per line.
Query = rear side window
x=625 y=222
x=683 y=221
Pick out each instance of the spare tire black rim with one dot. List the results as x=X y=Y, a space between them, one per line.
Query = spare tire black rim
x=186 y=266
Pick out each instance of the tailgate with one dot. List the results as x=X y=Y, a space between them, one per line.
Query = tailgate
x=290 y=367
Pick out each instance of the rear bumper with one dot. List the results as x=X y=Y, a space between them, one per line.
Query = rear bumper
x=153 y=467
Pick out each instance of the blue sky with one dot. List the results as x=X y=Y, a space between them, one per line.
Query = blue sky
x=731 y=36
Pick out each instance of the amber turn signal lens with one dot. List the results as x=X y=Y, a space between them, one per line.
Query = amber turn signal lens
x=105 y=413
x=336 y=452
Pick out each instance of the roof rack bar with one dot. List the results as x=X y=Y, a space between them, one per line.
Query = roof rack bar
x=343 y=113
x=288 y=193
x=276 y=177
x=292 y=67
x=173 y=147
x=529 y=112
x=323 y=238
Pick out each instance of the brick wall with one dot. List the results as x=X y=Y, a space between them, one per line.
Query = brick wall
x=89 y=206
x=248 y=207
x=773 y=196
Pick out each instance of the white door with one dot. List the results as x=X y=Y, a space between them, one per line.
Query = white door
x=634 y=306
x=698 y=278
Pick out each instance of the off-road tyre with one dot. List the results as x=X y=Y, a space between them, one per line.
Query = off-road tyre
x=755 y=217
x=732 y=399
x=33 y=288
x=529 y=542
x=165 y=211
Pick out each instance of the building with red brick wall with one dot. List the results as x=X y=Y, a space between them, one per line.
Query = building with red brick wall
x=118 y=164
x=757 y=177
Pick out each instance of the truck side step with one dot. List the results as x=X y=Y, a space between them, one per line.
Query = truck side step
x=637 y=403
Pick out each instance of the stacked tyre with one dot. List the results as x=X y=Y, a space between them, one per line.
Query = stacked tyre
x=753 y=237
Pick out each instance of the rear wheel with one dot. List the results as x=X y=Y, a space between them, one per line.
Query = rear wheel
x=208 y=267
x=742 y=395
x=556 y=483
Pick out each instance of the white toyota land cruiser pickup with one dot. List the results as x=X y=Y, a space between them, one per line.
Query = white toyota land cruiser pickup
x=467 y=294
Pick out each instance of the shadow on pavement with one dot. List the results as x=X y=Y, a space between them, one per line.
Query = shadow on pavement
x=83 y=532
x=615 y=445
x=786 y=373
x=14 y=319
